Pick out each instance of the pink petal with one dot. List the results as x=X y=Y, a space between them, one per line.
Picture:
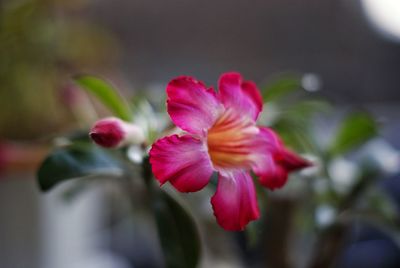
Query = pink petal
x=191 y=106
x=273 y=161
x=291 y=161
x=275 y=176
x=183 y=161
x=240 y=95
x=265 y=145
x=235 y=202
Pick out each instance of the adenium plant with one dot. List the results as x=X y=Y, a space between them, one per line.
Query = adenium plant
x=219 y=134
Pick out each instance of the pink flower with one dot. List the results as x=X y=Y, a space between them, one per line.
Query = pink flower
x=222 y=136
x=112 y=132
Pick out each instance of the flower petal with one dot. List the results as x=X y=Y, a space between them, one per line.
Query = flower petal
x=275 y=176
x=272 y=161
x=291 y=161
x=183 y=161
x=264 y=147
x=240 y=95
x=191 y=106
x=235 y=202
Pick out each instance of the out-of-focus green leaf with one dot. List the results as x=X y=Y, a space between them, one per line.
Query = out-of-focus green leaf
x=178 y=232
x=75 y=161
x=293 y=123
x=281 y=87
x=307 y=108
x=106 y=94
x=355 y=130
x=295 y=131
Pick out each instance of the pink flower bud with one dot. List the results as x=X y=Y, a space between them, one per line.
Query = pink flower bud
x=112 y=132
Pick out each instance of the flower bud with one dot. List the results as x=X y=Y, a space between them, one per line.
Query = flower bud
x=112 y=132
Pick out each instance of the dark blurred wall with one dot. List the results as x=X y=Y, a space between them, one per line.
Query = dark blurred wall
x=332 y=38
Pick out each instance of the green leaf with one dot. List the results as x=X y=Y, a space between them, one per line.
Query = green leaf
x=75 y=161
x=356 y=129
x=178 y=232
x=308 y=108
x=281 y=87
x=106 y=93
x=294 y=123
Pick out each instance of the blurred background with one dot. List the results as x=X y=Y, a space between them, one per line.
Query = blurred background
x=347 y=52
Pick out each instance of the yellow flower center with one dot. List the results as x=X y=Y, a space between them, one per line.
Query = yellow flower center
x=229 y=140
